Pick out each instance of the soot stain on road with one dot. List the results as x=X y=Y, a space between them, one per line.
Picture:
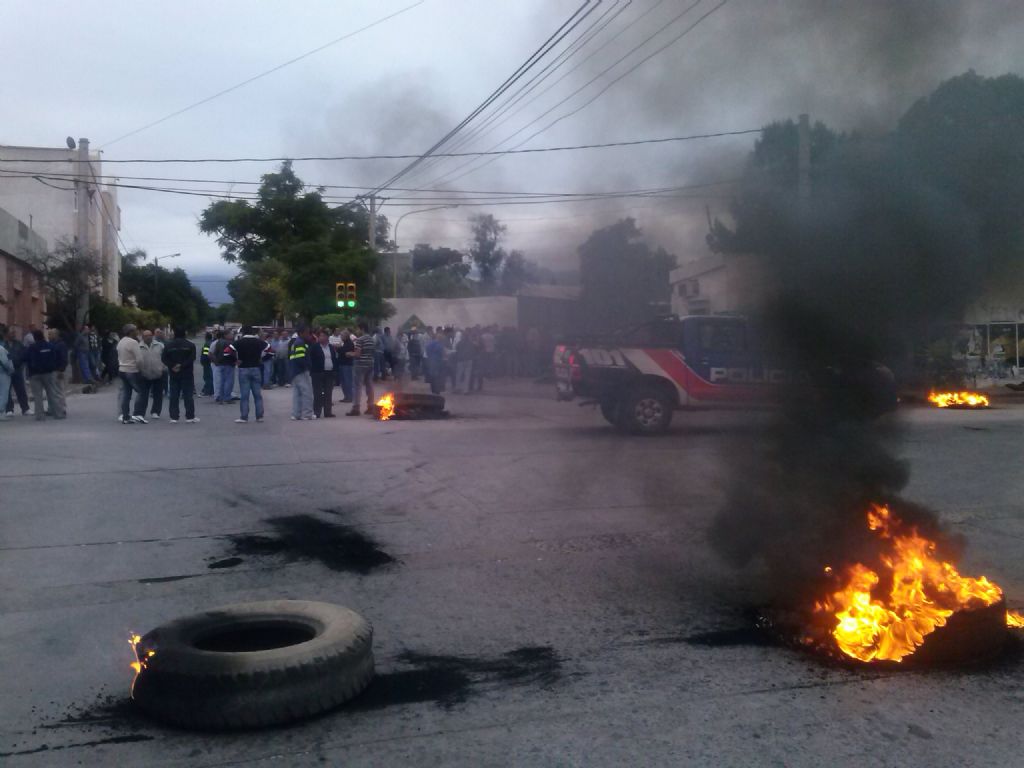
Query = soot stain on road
x=448 y=680
x=303 y=537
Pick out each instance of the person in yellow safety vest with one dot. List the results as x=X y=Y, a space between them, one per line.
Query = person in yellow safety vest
x=302 y=382
x=204 y=358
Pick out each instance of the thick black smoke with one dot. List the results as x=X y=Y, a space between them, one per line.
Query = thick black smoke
x=897 y=237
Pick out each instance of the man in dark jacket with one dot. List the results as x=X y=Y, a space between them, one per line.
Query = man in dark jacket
x=204 y=359
x=249 y=351
x=43 y=364
x=323 y=366
x=18 y=354
x=179 y=356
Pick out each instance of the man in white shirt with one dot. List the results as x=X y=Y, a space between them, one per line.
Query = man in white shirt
x=128 y=356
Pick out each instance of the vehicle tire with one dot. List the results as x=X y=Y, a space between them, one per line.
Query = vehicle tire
x=612 y=412
x=419 y=401
x=647 y=410
x=254 y=664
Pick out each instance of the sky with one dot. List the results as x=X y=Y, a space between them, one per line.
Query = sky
x=104 y=69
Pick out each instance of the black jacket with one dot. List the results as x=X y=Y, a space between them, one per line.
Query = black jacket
x=249 y=351
x=316 y=358
x=179 y=352
x=43 y=358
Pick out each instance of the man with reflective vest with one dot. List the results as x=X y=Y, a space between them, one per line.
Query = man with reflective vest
x=204 y=359
x=298 y=370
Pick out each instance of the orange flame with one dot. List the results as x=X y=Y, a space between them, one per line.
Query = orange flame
x=386 y=406
x=924 y=593
x=141 y=660
x=1015 y=619
x=958 y=399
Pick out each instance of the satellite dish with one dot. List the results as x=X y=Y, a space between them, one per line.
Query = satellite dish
x=71 y=142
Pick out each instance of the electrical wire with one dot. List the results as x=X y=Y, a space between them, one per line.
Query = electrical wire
x=591 y=81
x=535 y=57
x=531 y=150
x=270 y=71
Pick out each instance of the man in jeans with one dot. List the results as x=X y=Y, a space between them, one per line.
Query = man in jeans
x=364 y=355
x=298 y=371
x=151 y=370
x=226 y=365
x=128 y=356
x=249 y=350
x=83 y=357
x=42 y=369
x=180 y=356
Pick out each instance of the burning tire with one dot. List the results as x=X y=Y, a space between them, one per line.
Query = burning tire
x=646 y=410
x=253 y=664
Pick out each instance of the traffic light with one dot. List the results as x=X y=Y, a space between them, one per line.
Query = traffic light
x=345 y=295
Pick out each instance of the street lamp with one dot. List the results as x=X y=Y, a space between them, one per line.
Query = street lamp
x=156 y=272
x=394 y=278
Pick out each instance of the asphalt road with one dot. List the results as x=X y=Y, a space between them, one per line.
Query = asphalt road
x=550 y=589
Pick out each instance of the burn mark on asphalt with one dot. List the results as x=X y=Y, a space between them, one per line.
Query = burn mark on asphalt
x=227 y=562
x=165 y=579
x=730 y=637
x=448 y=680
x=98 y=742
x=338 y=546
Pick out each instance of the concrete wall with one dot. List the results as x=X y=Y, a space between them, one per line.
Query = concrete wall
x=23 y=303
x=50 y=208
x=462 y=313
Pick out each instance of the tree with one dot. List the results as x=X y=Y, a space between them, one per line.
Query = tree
x=516 y=272
x=624 y=280
x=437 y=273
x=485 y=250
x=258 y=293
x=169 y=292
x=224 y=312
x=311 y=244
x=68 y=275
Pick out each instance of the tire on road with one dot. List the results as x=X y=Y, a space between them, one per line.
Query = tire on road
x=612 y=412
x=646 y=410
x=254 y=664
x=419 y=400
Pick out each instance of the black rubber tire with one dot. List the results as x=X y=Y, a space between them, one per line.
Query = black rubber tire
x=224 y=690
x=612 y=412
x=419 y=401
x=646 y=410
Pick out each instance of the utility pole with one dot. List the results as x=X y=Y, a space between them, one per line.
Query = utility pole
x=82 y=223
x=156 y=273
x=373 y=223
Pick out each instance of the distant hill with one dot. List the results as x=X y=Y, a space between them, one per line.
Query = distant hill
x=214 y=287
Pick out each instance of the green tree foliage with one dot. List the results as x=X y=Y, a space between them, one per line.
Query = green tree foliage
x=899 y=231
x=311 y=244
x=224 y=313
x=167 y=291
x=106 y=316
x=437 y=273
x=258 y=294
x=485 y=250
x=624 y=280
x=516 y=272
x=68 y=275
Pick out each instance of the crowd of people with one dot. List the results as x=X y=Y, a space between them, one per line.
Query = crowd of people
x=238 y=366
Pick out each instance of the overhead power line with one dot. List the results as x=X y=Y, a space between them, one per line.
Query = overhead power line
x=523 y=68
x=532 y=150
x=270 y=71
x=629 y=71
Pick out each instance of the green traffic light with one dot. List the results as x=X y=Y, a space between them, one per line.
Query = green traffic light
x=351 y=303
x=341 y=303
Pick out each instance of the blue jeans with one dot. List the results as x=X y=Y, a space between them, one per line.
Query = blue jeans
x=302 y=395
x=215 y=373
x=268 y=373
x=131 y=382
x=84 y=365
x=250 y=380
x=227 y=382
x=345 y=377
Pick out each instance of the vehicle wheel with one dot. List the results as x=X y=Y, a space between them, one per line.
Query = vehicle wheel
x=611 y=412
x=419 y=400
x=254 y=664
x=646 y=411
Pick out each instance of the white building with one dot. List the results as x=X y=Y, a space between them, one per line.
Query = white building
x=41 y=192
x=713 y=284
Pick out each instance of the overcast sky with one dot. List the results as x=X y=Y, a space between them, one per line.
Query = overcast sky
x=102 y=69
